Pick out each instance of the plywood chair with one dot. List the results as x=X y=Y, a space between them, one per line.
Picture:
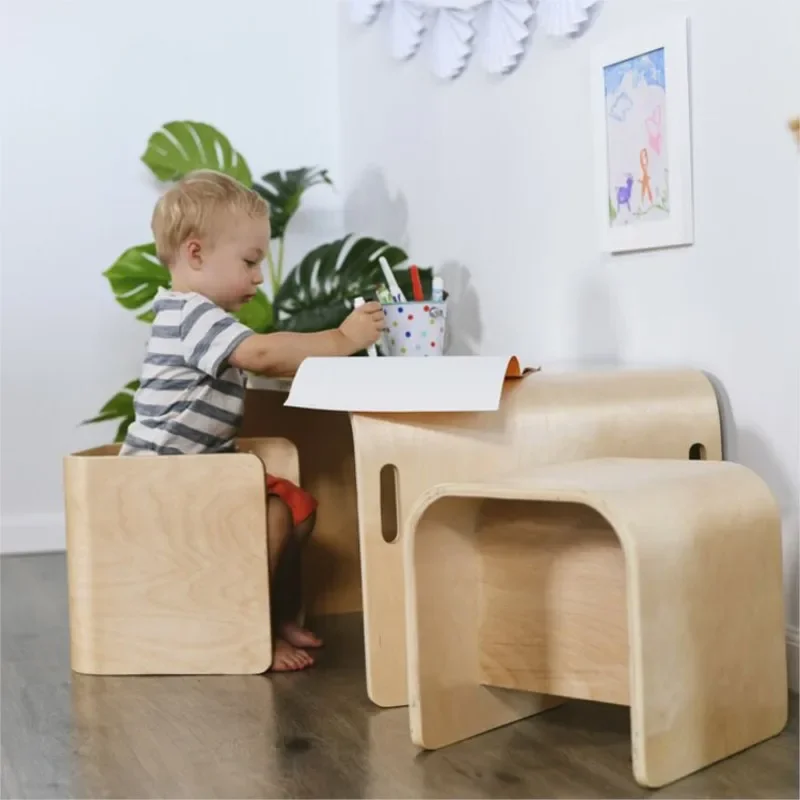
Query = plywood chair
x=167 y=560
x=655 y=584
x=545 y=418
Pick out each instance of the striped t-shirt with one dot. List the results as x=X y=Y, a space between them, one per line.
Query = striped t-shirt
x=190 y=399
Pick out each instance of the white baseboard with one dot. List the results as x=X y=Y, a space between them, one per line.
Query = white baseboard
x=792 y=658
x=32 y=533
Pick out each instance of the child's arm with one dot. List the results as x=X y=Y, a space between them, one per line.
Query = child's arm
x=282 y=353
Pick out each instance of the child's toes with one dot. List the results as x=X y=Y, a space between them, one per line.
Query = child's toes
x=305 y=658
x=288 y=658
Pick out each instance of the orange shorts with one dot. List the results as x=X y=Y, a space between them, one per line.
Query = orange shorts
x=300 y=502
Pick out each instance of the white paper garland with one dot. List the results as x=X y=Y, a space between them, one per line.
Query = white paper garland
x=507 y=32
x=364 y=12
x=563 y=17
x=452 y=33
x=451 y=36
x=406 y=26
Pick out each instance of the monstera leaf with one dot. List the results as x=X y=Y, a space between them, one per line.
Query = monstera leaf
x=135 y=278
x=284 y=190
x=120 y=407
x=181 y=147
x=319 y=292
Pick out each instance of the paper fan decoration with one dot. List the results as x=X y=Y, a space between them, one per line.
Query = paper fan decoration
x=451 y=40
x=563 y=17
x=364 y=11
x=407 y=24
x=506 y=34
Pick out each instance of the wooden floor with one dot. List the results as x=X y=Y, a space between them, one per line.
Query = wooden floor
x=312 y=735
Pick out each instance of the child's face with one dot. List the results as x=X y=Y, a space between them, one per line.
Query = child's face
x=228 y=270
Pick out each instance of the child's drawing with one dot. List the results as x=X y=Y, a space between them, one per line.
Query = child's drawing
x=638 y=171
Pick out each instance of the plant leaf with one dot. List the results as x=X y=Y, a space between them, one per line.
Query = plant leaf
x=283 y=191
x=122 y=430
x=147 y=316
x=120 y=407
x=257 y=314
x=319 y=292
x=100 y=418
x=181 y=147
x=136 y=276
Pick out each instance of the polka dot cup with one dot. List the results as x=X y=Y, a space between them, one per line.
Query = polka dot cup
x=414 y=329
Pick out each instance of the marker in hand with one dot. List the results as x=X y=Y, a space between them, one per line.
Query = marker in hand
x=391 y=281
x=357 y=303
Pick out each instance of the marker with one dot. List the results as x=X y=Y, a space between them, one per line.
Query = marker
x=437 y=290
x=357 y=303
x=416 y=284
x=391 y=281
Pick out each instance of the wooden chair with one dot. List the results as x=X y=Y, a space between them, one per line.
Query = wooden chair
x=167 y=560
x=655 y=584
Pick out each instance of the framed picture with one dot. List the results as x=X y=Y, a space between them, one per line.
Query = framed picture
x=642 y=138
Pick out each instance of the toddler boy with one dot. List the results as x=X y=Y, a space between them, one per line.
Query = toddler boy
x=213 y=233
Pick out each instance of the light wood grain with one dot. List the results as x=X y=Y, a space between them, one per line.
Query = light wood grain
x=443 y=599
x=167 y=560
x=702 y=554
x=555 y=621
x=542 y=419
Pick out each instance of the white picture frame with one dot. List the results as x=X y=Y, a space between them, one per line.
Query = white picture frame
x=641 y=123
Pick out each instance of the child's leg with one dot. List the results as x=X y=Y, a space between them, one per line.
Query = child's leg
x=288 y=583
x=290 y=587
x=279 y=531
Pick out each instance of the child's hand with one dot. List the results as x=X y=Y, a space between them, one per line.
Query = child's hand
x=364 y=325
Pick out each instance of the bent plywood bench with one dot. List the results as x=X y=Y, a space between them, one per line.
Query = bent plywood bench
x=167 y=560
x=655 y=584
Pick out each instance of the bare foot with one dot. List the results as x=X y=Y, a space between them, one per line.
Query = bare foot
x=299 y=637
x=288 y=658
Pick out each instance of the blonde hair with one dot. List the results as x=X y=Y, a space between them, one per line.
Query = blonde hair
x=192 y=207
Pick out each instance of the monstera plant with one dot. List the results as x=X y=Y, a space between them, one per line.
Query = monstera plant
x=316 y=294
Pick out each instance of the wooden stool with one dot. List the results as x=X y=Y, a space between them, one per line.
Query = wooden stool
x=650 y=583
x=167 y=560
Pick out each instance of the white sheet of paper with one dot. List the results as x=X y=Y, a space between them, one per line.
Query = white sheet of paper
x=448 y=383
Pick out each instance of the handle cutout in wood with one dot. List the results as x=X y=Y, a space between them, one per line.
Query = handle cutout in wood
x=697 y=452
x=390 y=524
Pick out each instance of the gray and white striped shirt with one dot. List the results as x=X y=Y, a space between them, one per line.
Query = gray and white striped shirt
x=190 y=399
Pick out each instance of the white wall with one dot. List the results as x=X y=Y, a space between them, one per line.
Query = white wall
x=85 y=84
x=490 y=179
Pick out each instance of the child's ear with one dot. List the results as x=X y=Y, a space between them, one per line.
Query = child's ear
x=194 y=252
